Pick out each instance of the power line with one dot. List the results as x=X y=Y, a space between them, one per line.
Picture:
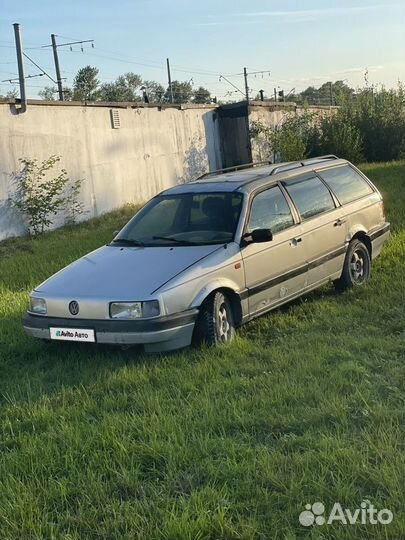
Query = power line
x=231 y=83
x=122 y=60
x=157 y=63
x=121 y=57
x=12 y=81
x=71 y=43
x=39 y=67
x=55 y=47
x=196 y=72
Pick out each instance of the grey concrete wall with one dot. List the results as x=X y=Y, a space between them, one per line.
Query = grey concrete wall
x=272 y=116
x=154 y=148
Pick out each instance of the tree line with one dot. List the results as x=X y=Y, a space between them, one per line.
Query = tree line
x=329 y=93
x=127 y=87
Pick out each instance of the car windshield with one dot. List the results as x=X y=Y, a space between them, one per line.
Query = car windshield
x=187 y=219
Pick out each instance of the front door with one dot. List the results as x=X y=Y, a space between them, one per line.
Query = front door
x=277 y=269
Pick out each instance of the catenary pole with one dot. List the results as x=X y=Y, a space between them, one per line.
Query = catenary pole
x=57 y=68
x=245 y=75
x=20 y=63
x=170 y=80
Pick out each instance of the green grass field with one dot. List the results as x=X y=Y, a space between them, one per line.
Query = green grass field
x=231 y=443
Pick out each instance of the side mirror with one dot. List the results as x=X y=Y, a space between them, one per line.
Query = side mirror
x=261 y=235
x=115 y=233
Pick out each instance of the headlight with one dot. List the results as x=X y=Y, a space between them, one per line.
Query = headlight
x=37 y=305
x=134 y=310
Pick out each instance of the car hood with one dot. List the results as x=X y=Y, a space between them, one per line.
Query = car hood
x=123 y=273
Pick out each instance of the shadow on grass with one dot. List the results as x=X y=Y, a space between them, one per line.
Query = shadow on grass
x=31 y=368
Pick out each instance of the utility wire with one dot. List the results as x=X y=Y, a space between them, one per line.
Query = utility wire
x=121 y=60
x=121 y=57
x=39 y=67
x=231 y=83
x=13 y=81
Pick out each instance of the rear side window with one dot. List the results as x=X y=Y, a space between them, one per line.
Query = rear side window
x=310 y=196
x=346 y=183
x=270 y=210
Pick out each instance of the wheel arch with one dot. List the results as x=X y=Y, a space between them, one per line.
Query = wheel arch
x=227 y=287
x=364 y=237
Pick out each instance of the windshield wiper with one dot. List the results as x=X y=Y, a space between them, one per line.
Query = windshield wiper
x=128 y=242
x=176 y=240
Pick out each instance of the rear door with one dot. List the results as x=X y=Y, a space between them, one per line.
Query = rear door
x=360 y=201
x=277 y=269
x=324 y=226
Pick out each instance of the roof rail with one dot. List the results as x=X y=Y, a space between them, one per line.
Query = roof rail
x=235 y=168
x=296 y=164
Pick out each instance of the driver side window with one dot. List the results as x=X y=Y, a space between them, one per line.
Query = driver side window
x=270 y=210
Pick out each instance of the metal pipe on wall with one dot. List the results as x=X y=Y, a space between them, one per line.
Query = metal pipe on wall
x=20 y=63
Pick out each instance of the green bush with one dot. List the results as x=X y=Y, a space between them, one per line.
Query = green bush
x=368 y=126
x=339 y=135
x=290 y=141
x=380 y=117
x=39 y=195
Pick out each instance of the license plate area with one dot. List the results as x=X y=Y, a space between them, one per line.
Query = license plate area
x=87 y=335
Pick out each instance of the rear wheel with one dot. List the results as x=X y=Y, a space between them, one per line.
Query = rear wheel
x=356 y=268
x=215 y=324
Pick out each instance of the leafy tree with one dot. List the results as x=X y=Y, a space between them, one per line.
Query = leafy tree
x=155 y=91
x=201 y=95
x=182 y=92
x=125 y=88
x=329 y=93
x=341 y=92
x=11 y=94
x=310 y=95
x=48 y=93
x=67 y=94
x=85 y=84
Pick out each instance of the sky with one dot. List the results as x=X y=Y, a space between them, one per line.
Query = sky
x=295 y=43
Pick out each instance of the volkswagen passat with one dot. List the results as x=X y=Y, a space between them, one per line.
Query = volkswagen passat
x=200 y=259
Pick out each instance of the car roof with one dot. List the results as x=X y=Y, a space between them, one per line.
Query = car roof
x=252 y=177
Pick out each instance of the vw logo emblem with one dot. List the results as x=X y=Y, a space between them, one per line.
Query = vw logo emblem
x=74 y=307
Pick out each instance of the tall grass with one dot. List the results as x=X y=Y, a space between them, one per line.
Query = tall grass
x=231 y=443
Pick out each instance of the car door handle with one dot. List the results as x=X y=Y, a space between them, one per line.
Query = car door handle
x=339 y=222
x=295 y=241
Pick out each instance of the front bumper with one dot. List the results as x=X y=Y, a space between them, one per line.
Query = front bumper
x=157 y=335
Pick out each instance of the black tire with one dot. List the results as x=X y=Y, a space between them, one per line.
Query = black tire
x=215 y=324
x=356 y=268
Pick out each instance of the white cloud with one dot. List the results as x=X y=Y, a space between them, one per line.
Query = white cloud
x=299 y=15
x=315 y=13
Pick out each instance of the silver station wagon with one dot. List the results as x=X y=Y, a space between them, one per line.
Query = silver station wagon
x=200 y=259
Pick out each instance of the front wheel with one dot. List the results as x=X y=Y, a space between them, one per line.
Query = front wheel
x=356 y=268
x=215 y=324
